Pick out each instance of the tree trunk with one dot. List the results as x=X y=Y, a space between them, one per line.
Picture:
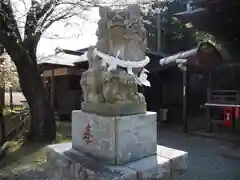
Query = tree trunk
x=2 y=126
x=23 y=54
x=43 y=125
x=2 y=99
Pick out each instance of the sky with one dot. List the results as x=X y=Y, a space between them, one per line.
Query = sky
x=79 y=33
x=74 y=34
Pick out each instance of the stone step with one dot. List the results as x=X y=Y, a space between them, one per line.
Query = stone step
x=71 y=164
x=178 y=159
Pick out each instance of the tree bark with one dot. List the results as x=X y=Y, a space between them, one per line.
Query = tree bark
x=43 y=127
x=42 y=124
x=2 y=98
x=2 y=126
x=23 y=54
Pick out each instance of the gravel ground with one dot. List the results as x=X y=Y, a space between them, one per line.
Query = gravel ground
x=204 y=157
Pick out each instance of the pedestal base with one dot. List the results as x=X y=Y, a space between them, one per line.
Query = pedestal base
x=115 y=139
x=68 y=163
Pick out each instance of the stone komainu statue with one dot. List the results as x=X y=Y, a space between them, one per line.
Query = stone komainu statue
x=116 y=64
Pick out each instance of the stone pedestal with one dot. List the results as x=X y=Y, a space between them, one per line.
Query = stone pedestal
x=115 y=140
x=70 y=164
x=114 y=148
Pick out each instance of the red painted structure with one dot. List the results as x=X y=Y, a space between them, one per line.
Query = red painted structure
x=230 y=114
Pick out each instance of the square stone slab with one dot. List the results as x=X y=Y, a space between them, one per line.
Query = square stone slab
x=67 y=163
x=115 y=140
x=152 y=167
x=178 y=159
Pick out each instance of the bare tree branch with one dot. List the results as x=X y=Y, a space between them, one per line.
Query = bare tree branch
x=47 y=6
x=8 y=22
x=42 y=20
x=65 y=14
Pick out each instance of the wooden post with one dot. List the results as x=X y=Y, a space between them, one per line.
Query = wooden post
x=11 y=97
x=209 y=86
x=52 y=89
x=209 y=97
x=184 y=110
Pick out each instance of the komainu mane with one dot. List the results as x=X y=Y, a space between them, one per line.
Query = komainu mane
x=116 y=64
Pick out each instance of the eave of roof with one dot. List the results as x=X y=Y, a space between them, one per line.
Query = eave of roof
x=70 y=58
x=191 y=56
x=63 y=58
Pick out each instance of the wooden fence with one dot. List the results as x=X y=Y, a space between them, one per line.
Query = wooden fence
x=11 y=124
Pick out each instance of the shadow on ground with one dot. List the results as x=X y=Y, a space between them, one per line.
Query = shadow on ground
x=205 y=160
x=23 y=153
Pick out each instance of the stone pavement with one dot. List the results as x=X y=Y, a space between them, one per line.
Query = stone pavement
x=204 y=159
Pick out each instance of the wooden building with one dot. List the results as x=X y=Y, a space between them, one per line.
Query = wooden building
x=183 y=91
x=166 y=92
x=61 y=77
x=220 y=19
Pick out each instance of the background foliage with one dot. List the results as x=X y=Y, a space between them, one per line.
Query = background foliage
x=175 y=36
x=8 y=74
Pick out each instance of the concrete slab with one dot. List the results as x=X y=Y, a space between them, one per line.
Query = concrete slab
x=152 y=167
x=178 y=159
x=67 y=163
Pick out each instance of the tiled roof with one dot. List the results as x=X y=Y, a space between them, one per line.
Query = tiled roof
x=63 y=59
x=59 y=59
